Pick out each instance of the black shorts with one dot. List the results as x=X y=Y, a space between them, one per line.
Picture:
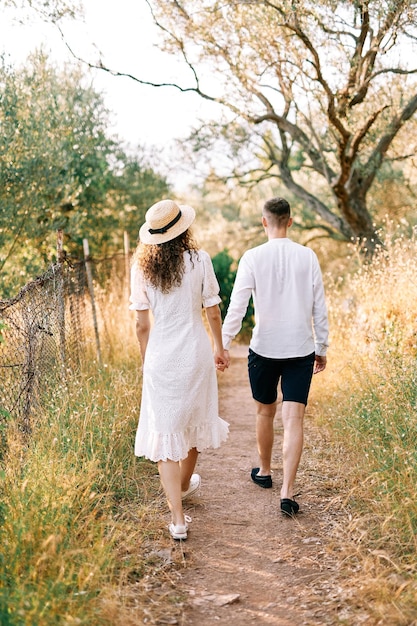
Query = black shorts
x=295 y=375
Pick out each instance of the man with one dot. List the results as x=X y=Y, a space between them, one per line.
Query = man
x=289 y=339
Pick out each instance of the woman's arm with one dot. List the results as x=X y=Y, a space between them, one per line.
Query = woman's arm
x=214 y=318
x=143 y=327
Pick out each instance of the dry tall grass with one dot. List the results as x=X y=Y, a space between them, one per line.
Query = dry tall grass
x=368 y=400
x=82 y=520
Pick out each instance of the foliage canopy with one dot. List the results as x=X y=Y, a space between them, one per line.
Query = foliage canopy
x=59 y=169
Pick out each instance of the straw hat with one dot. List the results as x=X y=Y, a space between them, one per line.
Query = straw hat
x=165 y=220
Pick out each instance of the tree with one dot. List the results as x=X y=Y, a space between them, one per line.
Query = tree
x=50 y=10
x=322 y=93
x=59 y=169
x=135 y=187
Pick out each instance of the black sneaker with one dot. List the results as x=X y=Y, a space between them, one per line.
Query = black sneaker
x=262 y=481
x=289 y=507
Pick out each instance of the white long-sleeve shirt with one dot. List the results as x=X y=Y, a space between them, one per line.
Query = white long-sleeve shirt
x=285 y=281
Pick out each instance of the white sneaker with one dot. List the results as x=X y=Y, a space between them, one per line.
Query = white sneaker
x=195 y=484
x=179 y=531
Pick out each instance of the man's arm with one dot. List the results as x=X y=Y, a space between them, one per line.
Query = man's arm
x=239 y=300
x=320 y=321
x=319 y=364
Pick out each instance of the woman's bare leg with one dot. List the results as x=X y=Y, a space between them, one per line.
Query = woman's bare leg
x=187 y=467
x=175 y=478
x=169 y=472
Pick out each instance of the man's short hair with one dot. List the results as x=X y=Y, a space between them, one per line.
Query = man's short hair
x=279 y=209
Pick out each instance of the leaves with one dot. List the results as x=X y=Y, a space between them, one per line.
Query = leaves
x=60 y=169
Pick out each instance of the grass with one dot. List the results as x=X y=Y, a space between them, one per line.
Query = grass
x=82 y=519
x=368 y=397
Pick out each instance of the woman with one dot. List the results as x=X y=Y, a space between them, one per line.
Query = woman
x=179 y=408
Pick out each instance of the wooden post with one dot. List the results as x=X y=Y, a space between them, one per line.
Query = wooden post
x=60 y=293
x=127 y=260
x=91 y=290
x=60 y=245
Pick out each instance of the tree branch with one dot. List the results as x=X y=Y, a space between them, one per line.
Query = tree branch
x=386 y=140
x=366 y=65
x=299 y=136
x=336 y=222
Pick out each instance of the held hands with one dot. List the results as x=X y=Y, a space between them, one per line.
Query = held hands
x=221 y=360
x=319 y=364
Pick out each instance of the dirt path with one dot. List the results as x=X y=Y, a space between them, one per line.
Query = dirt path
x=245 y=563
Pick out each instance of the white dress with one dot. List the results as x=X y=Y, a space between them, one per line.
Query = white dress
x=179 y=405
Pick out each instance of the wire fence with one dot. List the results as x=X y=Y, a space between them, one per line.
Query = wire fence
x=49 y=327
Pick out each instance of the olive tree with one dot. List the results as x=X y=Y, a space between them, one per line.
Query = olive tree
x=320 y=94
x=60 y=168
x=50 y=10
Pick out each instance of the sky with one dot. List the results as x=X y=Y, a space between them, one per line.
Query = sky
x=123 y=35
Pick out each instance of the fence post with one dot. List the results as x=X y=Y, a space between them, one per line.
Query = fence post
x=61 y=298
x=29 y=378
x=91 y=290
x=127 y=260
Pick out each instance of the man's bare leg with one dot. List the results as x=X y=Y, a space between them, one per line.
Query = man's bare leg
x=265 y=414
x=292 y=447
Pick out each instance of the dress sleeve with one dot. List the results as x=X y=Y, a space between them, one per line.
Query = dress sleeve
x=210 y=291
x=138 y=298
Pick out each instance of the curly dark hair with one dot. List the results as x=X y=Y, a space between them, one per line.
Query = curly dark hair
x=163 y=264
